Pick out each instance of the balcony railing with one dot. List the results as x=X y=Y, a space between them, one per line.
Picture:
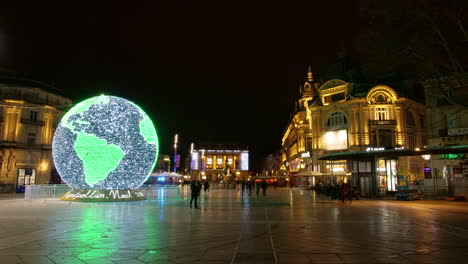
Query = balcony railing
x=382 y=122
x=28 y=121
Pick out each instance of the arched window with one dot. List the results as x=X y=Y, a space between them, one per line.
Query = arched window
x=337 y=120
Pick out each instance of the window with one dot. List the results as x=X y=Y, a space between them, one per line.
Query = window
x=26 y=177
x=451 y=121
x=31 y=138
x=337 y=119
x=381 y=113
x=33 y=116
x=383 y=137
x=411 y=141
x=414 y=168
x=338 y=97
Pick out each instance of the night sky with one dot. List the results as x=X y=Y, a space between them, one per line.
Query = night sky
x=219 y=72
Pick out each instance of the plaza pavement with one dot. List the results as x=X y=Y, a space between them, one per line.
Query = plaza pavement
x=286 y=226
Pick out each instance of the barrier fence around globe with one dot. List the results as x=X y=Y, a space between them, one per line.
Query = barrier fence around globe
x=104 y=149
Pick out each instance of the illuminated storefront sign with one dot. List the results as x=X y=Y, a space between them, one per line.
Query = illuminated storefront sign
x=453 y=156
x=336 y=140
x=195 y=161
x=244 y=161
x=381 y=148
x=374 y=149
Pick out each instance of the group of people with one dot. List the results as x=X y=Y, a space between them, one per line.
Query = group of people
x=343 y=191
x=246 y=187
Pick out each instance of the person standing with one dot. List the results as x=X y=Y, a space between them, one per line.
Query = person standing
x=195 y=188
x=250 y=187
x=206 y=186
x=343 y=192
x=350 y=193
x=264 y=187
x=257 y=187
x=243 y=187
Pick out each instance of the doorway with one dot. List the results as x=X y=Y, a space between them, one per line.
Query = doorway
x=25 y=177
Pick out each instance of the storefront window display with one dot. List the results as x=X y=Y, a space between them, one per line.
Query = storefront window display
x=26 y=177
x=387 y=174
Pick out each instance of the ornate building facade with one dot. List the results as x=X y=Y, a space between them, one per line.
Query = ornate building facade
x=30 y=112
x=335 y=118
x=216 y=162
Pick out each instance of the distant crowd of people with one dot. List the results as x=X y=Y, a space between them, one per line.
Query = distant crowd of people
x=246 y=187
x=341 y=191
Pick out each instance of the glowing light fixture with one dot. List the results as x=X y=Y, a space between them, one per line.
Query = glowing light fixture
x=105 y=143
x=426 y=157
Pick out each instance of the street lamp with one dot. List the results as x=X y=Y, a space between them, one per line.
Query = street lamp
x=191 y=159
x=176 y=139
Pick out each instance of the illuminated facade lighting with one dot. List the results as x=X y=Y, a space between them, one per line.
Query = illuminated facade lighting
x=106 y=143
x=426 y=157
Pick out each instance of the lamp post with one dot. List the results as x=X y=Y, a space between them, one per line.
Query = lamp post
x=176 y=139
x=191 y=159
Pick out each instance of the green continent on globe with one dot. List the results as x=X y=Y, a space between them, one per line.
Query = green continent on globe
x=147 y=130
x=80 y=108
x=99 y=158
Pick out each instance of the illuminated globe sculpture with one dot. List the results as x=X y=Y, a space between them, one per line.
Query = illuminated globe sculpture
x=103 y=148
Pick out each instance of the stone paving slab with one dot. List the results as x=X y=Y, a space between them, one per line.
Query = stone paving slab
x=286 y=226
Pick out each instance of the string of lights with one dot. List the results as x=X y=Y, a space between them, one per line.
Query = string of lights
x=105 y=143
x=37 y=107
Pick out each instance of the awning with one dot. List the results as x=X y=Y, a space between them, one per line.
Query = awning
x=307 y=174
x=389 y=153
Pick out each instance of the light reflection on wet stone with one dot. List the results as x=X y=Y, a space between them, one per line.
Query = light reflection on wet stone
x=286 y=226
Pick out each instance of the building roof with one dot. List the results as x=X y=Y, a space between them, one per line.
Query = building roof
x=221 y=146
x=12 y=78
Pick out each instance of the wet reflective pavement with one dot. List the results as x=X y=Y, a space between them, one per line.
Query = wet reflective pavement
x=286 y=226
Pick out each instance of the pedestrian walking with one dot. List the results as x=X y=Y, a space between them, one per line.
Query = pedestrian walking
x=257 y=187
x=350 y=193
x=195 y=188
x=206 y=186
x=344 y=192
x=264 y=187
x=250 y=187
x=243 y=187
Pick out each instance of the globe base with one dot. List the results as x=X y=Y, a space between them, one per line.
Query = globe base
x=103 y=195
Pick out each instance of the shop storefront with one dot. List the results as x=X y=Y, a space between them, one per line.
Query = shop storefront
x=387 y=174
x=25 y=177
x=381 y=171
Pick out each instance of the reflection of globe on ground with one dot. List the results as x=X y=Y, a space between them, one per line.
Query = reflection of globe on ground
x=105 y=142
